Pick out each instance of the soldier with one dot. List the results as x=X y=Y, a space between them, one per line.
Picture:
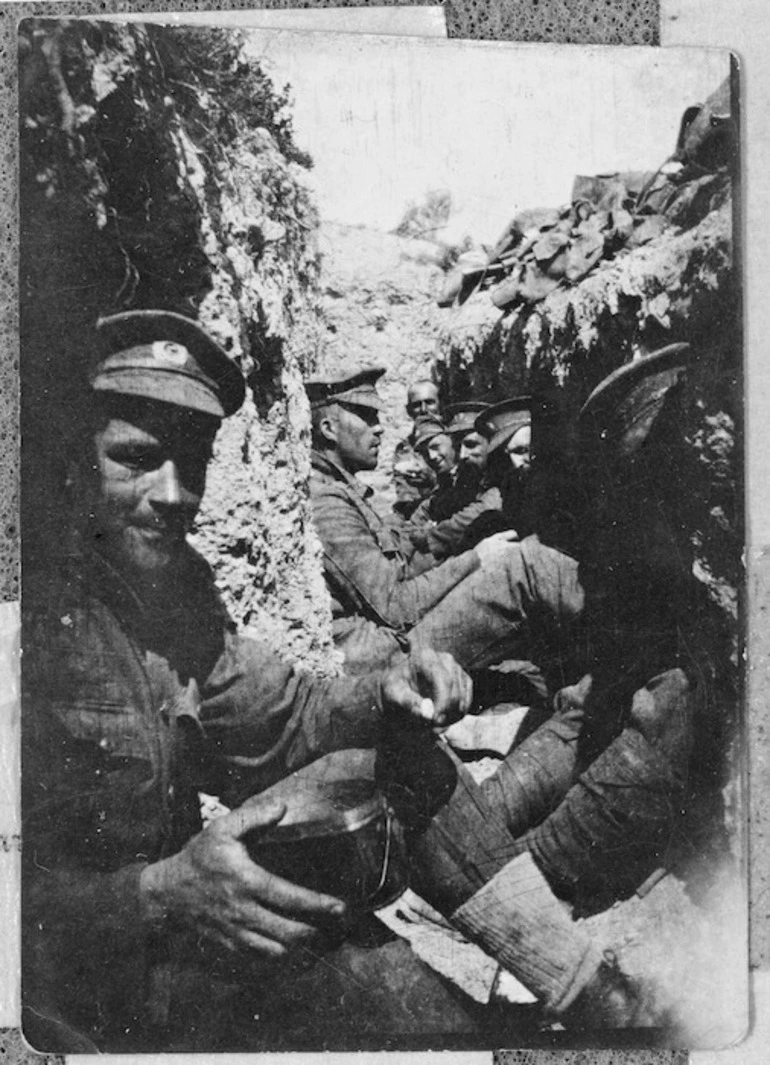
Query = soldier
x=470 y=445
x=584 y=809
x=138 y=696
x=422 y=399
x=413 y=478
x=498 y=600
x=506 y=429
x=443 y=524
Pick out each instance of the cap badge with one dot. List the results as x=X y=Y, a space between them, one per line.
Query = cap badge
x=168 y=351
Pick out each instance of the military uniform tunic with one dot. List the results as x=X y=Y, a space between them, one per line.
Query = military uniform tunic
x=128 y=716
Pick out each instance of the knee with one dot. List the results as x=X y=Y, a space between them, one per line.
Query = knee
x=661 y=711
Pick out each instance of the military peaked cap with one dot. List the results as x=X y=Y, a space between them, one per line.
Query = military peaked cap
x=499 y=422
x=358 y=389
x=462 y=416
x=621 y=410
x=425 y=428
x=167 y=357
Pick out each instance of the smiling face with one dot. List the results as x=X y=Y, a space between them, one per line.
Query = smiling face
x=150 y=462
x=422 y=398
x=440 y=453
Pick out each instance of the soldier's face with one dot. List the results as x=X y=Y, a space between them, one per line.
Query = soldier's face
x=440 y=453
x=519 y=448
x=358 y=435
x=422 y=399
x=473 y=450
x=151 y=470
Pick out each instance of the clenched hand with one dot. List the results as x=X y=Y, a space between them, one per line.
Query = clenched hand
x=429 y=685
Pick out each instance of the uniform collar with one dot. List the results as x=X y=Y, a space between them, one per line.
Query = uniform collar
x=325 y=465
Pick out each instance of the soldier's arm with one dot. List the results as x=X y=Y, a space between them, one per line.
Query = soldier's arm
x=446 y=537
x=363 y=574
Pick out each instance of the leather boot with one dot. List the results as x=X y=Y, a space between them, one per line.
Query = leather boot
x=611 y=999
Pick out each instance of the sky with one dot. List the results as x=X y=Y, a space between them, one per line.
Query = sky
x=501 y=126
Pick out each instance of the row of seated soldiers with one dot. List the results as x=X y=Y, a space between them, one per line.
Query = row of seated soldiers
x=611 y=634
x=151 y=927
x=460 y=478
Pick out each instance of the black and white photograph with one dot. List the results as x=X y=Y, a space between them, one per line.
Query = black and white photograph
x=382 y=540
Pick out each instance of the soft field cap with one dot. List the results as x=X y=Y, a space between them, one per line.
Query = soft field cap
x=461 y=417
x=166 y=357
x=425 y=428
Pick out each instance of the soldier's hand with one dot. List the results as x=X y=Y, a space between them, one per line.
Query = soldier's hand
x=495 y=546
x=213 y=885
x=428 y=685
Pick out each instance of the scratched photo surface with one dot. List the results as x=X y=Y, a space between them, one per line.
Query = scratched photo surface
x=382 y=533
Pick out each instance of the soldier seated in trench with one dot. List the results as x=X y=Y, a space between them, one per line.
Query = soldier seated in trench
x=498 y=601
x=413 y=479
x=138 y=696
x=506 y=429
x=444 y=524
x=590 y=799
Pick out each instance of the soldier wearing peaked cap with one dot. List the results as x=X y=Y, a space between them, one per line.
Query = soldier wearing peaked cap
x=139 y=696
x=509 y=423
x=506 y=429
x=440 y=524
x=426 y=428
x=589 y=799
x=168 y=358
x=471 y=446
x=356 y=389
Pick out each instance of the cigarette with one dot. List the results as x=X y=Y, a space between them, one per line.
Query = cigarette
x=427 y=709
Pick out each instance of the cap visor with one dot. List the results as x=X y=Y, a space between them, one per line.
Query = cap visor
x=505 y=435
x=163 y=387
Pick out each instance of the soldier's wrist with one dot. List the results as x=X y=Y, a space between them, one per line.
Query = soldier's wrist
x=153 y=893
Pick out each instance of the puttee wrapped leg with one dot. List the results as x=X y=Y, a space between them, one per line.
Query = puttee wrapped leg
x=466 y=863
x=615 y=824
x=517 y=919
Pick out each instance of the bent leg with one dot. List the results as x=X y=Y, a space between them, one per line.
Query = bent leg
x=537 y=774
x=527 y=601
x=615 y=824
x=466 y=863
x=608 y=829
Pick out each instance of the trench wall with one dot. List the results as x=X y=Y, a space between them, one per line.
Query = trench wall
x=158 y=172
